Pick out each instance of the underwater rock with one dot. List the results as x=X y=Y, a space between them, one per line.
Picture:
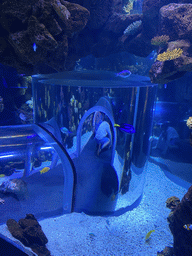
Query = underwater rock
x=100 y=11
x=117 y=23
x=17 y=231
x=168 y=251
x=174 y=21
x=40 y=36
x=29 y=233
x=182 y=215
x=17 y=187
x=163 y=72
x=47 y=25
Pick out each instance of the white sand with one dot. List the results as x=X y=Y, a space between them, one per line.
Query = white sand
x=82 y=235
x=79 y=234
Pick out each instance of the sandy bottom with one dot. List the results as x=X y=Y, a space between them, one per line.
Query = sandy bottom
x=79 y=234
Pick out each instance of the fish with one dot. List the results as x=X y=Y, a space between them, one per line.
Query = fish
x=128 y=128
x=149 y=234
x=165 y=86
x=152 y=55
x=2 y=175
x=92 y=235
x=30 y=103
x=124 y=73
x=44 y=170
x=34 y=47
x=22 y=117
x=65 y=130
x=188 y=226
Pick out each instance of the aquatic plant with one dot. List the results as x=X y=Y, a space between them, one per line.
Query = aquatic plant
x=132 y=28
x=160 y=40
x=170 y=55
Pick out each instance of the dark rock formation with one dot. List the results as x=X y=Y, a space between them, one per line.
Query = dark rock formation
x=29 y=233
x=168 y=251
x=174 y=22
x=47 y=25
x=45 y=36
x=180 y=216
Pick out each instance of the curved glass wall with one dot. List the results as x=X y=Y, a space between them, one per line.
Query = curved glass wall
x=36 y=175
x=109 y=179
x=171 y=142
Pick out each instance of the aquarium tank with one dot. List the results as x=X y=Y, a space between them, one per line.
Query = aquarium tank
x=95 y=127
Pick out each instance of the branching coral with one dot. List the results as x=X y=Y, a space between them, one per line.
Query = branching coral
x=170 y=55
x=160 y=40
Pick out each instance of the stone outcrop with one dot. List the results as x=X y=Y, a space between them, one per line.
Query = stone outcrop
x=45 y=36
x=39 y=31
x=175 y=21
x=30 y=234
x=181 y=216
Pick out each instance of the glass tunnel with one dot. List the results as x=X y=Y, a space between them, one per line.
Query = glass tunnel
x=56 y=166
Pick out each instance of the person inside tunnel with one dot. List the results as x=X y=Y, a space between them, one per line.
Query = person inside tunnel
x=102 y=132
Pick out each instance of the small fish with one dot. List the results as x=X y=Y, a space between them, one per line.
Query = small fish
x=34 y=47
x=30 y=103
x=2 y=175
x=92 y=235
x=44 y=170
x=65 y=130
x=149 y=234
x=152 y=55
x=188 y=226
x=165 y=86
x=124 y=73
x=128 y=128
x=22 y=117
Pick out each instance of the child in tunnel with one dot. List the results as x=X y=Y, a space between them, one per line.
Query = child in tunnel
x=102 y=132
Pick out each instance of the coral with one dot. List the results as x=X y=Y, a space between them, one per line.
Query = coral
x=128 y=7
x=189 y=122
x=133 y=28
x=170 y=55
x=160 y=40
x=172 y=202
